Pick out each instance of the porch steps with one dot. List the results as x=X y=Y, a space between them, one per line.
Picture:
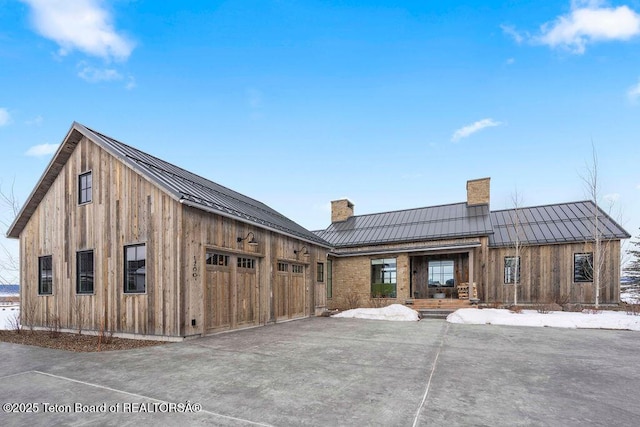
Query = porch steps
x=437 y=308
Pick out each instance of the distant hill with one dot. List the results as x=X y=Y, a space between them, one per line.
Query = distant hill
x=9 y=290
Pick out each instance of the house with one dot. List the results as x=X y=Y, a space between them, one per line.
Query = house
x=464 y=251
x=114 y=239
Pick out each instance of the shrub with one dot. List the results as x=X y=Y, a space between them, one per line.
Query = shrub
x=515 y=309
x=352 y=299
x=632 y=309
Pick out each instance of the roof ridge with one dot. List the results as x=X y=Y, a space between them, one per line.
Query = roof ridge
x=409 y=209
x=542 y=206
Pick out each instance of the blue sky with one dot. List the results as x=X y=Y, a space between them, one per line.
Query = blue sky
x=392 y=104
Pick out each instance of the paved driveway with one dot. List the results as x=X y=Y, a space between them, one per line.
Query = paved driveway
x=332 y=372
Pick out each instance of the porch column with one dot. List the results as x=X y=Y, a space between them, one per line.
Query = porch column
x=471 y=274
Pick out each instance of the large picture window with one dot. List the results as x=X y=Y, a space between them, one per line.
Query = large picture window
x=383 y=278
x=441 y=273
x=84 y=276
x=135 y=269
x=583 y=267
x=45 y=275
x=511 y=269
x=85 y=188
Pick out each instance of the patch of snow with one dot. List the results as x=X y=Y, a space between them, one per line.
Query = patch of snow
x=395 y=312
x=555 y=319
x=7 y=313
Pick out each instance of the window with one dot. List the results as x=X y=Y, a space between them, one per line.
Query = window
x=383 y=278
x=246 y=263
x=45 y=275
x=511 y=269
x=583 y=267
x=283 y=267
x=85 y=185
x=441 y=273
x=320 y=271
x=135 y=269
x=297 y=269
x=84 y=272
x=217 y=259
x=329 y=279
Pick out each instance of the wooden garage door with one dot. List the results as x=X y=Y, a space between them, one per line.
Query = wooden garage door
x=230 y=299
x=290 y=292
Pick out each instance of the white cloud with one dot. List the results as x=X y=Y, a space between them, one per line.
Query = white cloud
x=634 y=92
x=85 y=25
x=589 y=21
x=36 y=121
x=511 y=31
x=468 y=130
x=5 y=117
x=41 y=150
x=95 y=75
x=131 y=83
x=510 y=61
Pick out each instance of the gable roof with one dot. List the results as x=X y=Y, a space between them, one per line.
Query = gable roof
x=549 y=224
x=429 y=223
x=186 y=187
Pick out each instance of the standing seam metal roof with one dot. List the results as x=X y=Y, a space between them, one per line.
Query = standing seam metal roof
x=185 y=186
x=429 y=223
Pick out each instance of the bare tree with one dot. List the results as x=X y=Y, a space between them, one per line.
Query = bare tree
x=633 y=267
x=592 y=187
x=9 y=263
x=516 y=236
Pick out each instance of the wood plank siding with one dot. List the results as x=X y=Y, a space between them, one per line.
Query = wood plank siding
x=184 y=296
x=125 y=209
x=546 y=274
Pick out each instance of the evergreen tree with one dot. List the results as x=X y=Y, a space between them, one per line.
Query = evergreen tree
x=633 y=269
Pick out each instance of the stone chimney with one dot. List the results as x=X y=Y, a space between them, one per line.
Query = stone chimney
x=341 y=210
x=478 y=191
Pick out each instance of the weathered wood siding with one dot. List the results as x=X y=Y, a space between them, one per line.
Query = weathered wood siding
x=125 y=209
x=203 y=298
x=546 y=274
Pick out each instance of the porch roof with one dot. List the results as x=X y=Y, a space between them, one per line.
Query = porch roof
x=429 y=223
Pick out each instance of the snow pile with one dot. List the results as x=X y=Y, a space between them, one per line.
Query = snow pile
x=395 y=312
x=7 y=313
x=556 y=319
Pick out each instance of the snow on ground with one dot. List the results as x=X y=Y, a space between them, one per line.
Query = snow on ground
x=7 y=313
x=396 y=312
x=556 y=319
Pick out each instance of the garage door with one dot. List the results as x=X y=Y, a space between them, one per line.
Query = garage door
x=230 y=300
x=290 y=291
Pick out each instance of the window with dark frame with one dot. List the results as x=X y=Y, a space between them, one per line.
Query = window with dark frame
x=583 y=267
x=85 y=188
x=84 y=270
x=329 y=279
x=135 y=269
x=320 y=271
x=45 y=275
x=283 y=267
x=297 y=268
x=511 y=269
x=246 y=263
x=383 y=278
x=217 y=259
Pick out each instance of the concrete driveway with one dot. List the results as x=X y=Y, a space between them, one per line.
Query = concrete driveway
x=337 y=372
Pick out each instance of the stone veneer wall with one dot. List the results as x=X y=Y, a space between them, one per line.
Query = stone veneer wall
x=479 y=191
